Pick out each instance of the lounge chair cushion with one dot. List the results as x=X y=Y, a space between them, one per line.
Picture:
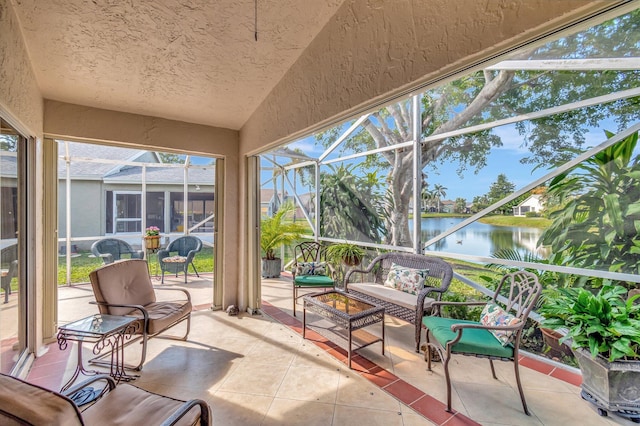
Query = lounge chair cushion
x=390 y=295
x=163 y=314
x=116 y=285
x=151 y=409
x=23 y=403
x=473 y=341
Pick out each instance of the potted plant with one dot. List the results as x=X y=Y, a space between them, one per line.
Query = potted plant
x=152 y=238
x=274 y=232
x=604 y=332
x=349 y=254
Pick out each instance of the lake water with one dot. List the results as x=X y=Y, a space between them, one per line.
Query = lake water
x=479 y=238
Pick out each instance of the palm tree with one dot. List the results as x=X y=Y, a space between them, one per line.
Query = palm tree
x=439 y=191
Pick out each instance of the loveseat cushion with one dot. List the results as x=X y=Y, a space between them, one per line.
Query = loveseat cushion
x=150 y=409
x=390 y=295
x=474 y=340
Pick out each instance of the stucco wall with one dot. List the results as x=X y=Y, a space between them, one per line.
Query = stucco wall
x=20 y=100
x=371 y=50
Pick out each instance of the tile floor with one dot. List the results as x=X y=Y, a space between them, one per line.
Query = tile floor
x=257 y=370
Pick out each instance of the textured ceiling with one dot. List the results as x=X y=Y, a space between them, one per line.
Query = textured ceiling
x=188 y=60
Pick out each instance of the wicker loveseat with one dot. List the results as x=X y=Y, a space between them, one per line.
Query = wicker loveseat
x=368 y=284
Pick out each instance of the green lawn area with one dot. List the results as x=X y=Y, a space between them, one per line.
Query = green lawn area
x=82 y=265
x=529 y=222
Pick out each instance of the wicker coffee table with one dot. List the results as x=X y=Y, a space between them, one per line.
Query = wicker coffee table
x=349 y=313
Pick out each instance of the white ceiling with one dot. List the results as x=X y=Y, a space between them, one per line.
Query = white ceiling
x=188 y=60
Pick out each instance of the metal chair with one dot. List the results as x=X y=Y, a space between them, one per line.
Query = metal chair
x=310 y=269
x=124 y=288
x=9 y=260
x=185 y=249
x=459 y=337
x=112 y=249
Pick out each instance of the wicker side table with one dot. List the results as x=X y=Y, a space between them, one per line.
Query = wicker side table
x=349 y=313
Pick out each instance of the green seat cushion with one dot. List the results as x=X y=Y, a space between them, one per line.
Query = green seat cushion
x=473 y=341
x=314 y=280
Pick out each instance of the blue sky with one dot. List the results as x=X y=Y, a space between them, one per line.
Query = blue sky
x=505 y=159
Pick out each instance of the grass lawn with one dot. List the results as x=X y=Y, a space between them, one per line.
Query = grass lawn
x=528 y=222
x=82 y=265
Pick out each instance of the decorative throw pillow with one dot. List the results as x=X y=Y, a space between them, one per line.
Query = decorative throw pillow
x=311 y=268
x=493 y=315
x=405 y=279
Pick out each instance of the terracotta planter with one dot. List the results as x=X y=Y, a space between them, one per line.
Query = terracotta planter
x=552 y=340
x=351 y=260
x=152 y=242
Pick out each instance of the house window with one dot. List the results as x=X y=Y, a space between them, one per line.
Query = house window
x=127 y=212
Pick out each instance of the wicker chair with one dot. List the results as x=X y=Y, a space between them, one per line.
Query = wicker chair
x=396 y=303
x=304 y=254
x=453 y=336
x=185 y=249
x=112 y=249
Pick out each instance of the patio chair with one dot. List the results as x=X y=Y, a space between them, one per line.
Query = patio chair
x=23 y=403
x=310 y=269
x=185 y=249
x=7 y=277
x=496 y=336
x=124 y=288
x=112 y=249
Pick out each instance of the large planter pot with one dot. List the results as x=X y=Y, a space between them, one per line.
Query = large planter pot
x=612 y=386
x=271 y=268
x=152 y=242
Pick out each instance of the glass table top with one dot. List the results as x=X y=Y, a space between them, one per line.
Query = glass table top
x=342 y=302
x=98 y=324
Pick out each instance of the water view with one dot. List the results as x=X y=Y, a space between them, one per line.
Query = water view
x=479 y=238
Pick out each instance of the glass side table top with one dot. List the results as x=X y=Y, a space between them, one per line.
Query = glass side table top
x=97 y=325
x=342 y=302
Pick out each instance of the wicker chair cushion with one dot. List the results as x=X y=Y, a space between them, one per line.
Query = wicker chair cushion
x=390 y=295
x=474 y=341
x=494 y=315
x=175 y=259
x=405 y=279
x=314 y=280
x=311 y=268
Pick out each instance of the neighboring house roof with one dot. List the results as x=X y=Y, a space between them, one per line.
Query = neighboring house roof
x=125 y=173
x=533 y=199
x=95 y=170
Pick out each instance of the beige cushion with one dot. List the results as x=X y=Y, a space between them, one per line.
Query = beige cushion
x=129 y=405
x=390 y=295
x=125 y=282
x=163 y=314
x=21 y=403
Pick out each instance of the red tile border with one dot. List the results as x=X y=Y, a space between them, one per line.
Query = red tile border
x=380 y=377
x=567 y=376
x=461 y=420
x=432 y=409
x=404 y=392
x=536 y=365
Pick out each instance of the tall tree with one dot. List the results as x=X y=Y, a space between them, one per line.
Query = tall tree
x=486 y=96
x=439 y=192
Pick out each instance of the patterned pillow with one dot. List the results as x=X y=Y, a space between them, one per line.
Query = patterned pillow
x=311 y=268
x=175 y=259
x=405 y=279
x=493 y=315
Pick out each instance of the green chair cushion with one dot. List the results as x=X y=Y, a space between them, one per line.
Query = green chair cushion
x=473 y=341
x=313 y=280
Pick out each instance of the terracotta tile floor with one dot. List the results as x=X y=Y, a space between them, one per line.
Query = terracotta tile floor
x=257 y=370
